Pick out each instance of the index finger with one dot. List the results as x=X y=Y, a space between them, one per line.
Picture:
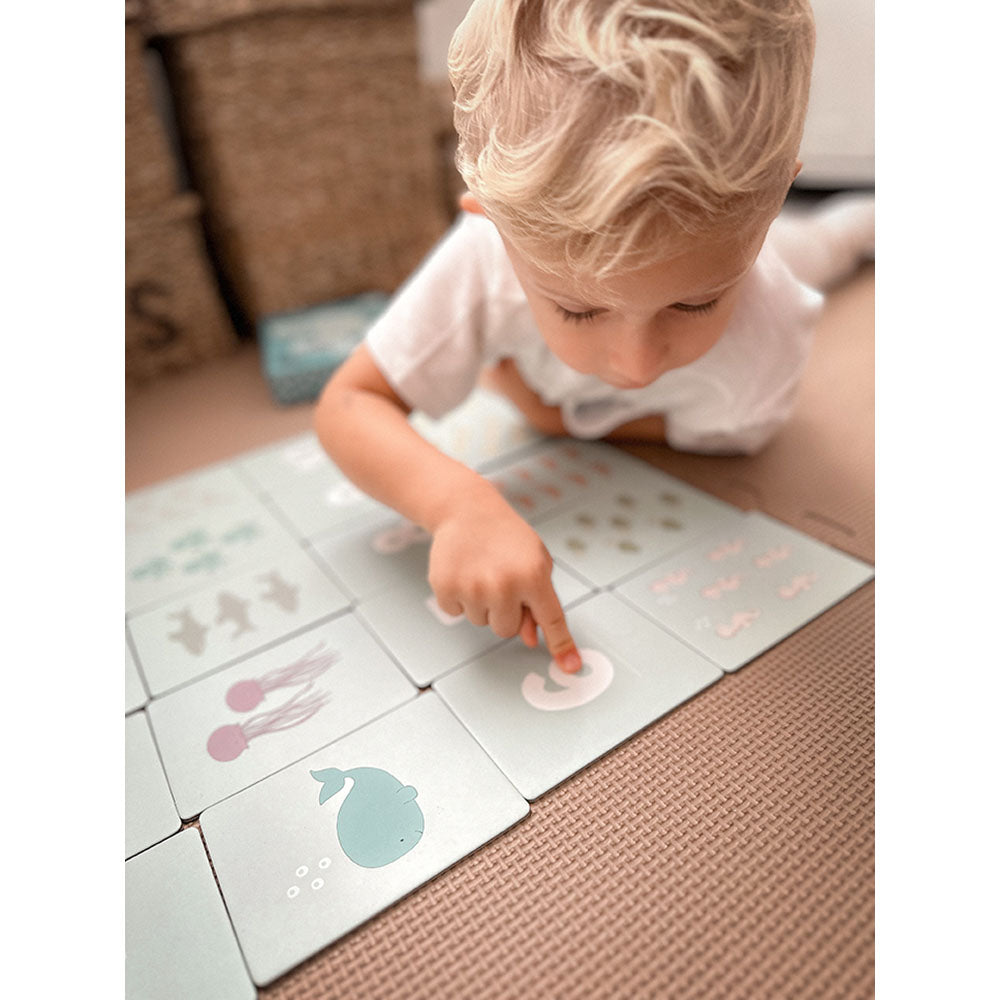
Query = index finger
x=548 y=613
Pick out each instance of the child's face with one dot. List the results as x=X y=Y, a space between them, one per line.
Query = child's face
x=631 y=328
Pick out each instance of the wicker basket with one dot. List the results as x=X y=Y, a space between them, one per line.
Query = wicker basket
x=174 y=315
x=306 y=132
x=150 y=167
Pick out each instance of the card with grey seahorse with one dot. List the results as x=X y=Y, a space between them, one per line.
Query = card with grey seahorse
x=741 y=589
x=313 y=851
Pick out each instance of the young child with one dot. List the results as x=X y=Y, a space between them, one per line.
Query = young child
x=611 y=273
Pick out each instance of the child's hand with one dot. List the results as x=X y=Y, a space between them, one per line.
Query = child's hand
x=488 y=564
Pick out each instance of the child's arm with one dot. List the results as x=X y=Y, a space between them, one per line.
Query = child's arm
x=486 y=562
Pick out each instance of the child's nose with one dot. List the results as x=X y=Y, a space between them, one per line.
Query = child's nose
x=640 y=353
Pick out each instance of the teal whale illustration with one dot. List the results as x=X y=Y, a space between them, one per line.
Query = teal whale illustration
x=379 y=820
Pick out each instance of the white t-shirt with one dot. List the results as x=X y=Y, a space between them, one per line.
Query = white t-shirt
x=464 y=309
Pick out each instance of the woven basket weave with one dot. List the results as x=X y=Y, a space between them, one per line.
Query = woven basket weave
x=306 y=133
x=150 y=170
x=174 y=315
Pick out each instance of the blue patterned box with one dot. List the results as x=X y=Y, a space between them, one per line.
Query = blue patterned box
x=300 y=350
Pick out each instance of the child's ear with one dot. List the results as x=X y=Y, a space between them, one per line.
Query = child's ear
x=798 y=167
x=468 y=203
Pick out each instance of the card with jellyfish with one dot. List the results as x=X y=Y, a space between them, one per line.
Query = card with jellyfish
x=541 y=725
x=630 y=523
x=150 y=815
x=741 y=589
x=178 y=939
x=313 y=851
x=180 y=641
x=234 y=727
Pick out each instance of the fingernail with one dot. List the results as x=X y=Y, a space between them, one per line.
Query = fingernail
x=569 y=663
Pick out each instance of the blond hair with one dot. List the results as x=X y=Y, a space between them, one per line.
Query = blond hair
x=591 y=131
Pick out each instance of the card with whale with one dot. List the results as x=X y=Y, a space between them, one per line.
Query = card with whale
x=178 y=940
x=238 y=725
x=541 y=725
x=313 y=851
x=738 y=591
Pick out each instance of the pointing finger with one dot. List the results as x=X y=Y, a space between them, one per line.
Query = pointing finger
x=528 y=630
x=549 y=615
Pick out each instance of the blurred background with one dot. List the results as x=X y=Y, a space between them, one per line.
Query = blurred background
x=289 y=162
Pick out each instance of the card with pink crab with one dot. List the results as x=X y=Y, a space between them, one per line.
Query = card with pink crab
x=740 y=589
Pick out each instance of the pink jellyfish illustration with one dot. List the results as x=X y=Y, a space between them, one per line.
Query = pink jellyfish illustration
x=246 y=695
x=228 y=742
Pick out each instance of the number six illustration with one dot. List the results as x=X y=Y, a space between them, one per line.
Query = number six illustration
x=574 y=689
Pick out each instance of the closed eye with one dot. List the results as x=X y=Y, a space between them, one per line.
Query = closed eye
x=578 y=317
x=701 y=307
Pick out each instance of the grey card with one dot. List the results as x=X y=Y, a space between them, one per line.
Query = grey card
x=221 y=623
x=305 y=487
x=156 y=508
x=150 y=815
x=375 y=554
x=234 y=727
x=541 y=725
x=135 y=693
x=485 y=428
x=295 y=460
x=191 y=551
x=315 y=850
x=626 y=525
x=740 y=590
x=428 y=642
x=178 y=939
